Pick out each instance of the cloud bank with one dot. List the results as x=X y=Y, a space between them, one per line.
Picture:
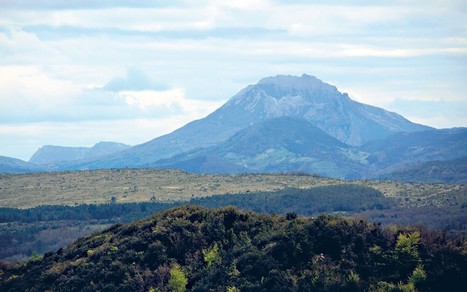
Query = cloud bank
x=76 y=72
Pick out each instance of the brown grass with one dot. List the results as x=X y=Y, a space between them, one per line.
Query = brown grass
x=139 y=185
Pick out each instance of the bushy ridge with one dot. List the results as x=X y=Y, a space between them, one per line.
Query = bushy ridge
x=196 y=249
x=24 y=232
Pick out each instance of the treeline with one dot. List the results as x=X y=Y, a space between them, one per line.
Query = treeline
x=123 y=212
x=47 y=228
x=196 y=249
x=335 y=198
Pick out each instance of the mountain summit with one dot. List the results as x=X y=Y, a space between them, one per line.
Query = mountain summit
x=319 y=103
x=304 y=98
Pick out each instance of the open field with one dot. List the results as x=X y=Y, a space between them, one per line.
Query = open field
x=165 y=185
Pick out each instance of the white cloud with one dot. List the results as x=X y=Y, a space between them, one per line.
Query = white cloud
x=25 y=90
x=173 y=100
x=76 y=64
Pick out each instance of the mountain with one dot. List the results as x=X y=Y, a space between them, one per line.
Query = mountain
x=191 y=248
x=306 y=98
x=319 y=103
x=13 y=165
x=275 y=145
x=50 y=154
x=403 y=149
x=451 y=171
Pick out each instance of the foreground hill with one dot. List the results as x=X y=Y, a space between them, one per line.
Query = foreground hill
x=224 y=249
x=97 y=198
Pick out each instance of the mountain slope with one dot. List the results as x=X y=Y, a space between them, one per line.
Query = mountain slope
x=319 y=103
x=451 y=171
x=196 y=249
x=304 y=97
x=50 y=154
x=13 y=165
x=403 y=149
x=275 y=145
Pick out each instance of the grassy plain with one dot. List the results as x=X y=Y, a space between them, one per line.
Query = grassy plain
x=168 y=185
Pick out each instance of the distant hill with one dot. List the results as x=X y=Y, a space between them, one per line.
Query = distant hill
x=275 y=145
x=287 y=144
x=13 y=165
x=451 y=171
x=50 y=154
x=401 y=150
x=306 y=98
x=196 y=249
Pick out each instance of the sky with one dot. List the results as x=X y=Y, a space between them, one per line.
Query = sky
x=73 y=73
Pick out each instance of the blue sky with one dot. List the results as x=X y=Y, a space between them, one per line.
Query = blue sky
x=74 y=73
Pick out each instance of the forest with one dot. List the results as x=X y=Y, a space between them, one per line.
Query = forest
x=24 y=232
x=191 y=248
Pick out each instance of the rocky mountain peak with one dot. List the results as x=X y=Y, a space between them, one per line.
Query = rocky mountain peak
x=306 y=86
x=321 y=104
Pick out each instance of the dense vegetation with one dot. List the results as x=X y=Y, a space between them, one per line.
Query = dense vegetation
x=124 y=212
x=24 y=232
x=326 y=199
x=192 y=248
x=47 y=228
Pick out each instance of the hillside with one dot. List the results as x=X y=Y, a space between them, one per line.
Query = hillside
x=275 y=145
x=199 y=250
x=58 y=207
x=50 y=154
x=401 y=150
x=451 y=171
x=13 y=165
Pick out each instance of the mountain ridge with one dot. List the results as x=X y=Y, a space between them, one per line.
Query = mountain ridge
x=275 y=145
x=355 y=140
x=14 y=165
x=52 y=154
x=191 y=248
x=304 y=97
